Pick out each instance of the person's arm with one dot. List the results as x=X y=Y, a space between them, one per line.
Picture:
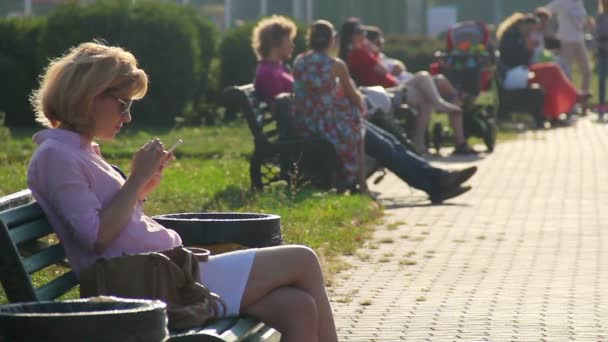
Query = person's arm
x=146 y=165
x=380 y=68
x=340 y=70
x=67 y=184
x=363 y=59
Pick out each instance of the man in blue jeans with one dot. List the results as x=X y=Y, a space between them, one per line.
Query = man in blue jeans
x=439 y=184
x=385 y=148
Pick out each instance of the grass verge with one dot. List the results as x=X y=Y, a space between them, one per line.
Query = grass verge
x=211 y=174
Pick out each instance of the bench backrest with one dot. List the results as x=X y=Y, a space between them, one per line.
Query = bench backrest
x=27 y=245
x=261 y=120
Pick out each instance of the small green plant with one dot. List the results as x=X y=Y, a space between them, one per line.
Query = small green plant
x=296 y=180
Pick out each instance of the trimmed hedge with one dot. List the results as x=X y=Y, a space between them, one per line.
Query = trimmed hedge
x=416 y=52
x=172 y=43
x=20 y=64
x=237 y=59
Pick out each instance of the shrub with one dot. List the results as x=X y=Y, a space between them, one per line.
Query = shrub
x=416 y=52
x=20 y=63
x=166 y=39
x=237 y=59
x=173 y=44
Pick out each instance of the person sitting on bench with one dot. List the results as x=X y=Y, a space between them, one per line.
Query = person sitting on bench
x=439 y=184
x=517 y=40
x=375 y=37
x=87 y=94
x=367 y=69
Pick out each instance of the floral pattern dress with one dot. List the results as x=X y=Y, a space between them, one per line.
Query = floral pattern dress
x=322 y=110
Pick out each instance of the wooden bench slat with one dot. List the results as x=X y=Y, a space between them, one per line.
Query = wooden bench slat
x=212 y=332
x=22 y=214
x=30 y=231
x=44 y=258
x=243 y=328
x=22 y=223
x=16 y=199
x=266 y=333
x=58 y=287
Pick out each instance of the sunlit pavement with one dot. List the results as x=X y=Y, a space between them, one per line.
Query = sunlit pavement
x=521 y=257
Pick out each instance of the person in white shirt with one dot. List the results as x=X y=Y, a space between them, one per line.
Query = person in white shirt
x=571 y=17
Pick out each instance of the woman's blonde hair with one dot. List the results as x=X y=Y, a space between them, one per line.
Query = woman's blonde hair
x=70 y=83
x=269 y=32
x=511 y=21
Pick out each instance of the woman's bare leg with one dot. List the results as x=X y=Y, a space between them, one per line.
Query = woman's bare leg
x=447 y=91
x=296 y=267
x=424 y=83
x=291 y=311
x=457 y=126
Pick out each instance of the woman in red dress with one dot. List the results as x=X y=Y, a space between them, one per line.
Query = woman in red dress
x=516 y=43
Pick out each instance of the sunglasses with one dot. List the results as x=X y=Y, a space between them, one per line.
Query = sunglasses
x=125 y=105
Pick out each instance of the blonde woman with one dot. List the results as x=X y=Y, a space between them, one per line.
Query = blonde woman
x=86 y=95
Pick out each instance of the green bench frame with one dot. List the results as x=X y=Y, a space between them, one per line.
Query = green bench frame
x=277 y=151
x=23 y=251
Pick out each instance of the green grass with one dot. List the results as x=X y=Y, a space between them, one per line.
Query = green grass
x=211 y=173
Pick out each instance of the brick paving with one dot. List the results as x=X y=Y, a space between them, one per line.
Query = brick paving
x=521 y=257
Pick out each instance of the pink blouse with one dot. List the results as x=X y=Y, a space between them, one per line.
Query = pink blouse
x=271 y=79
x=72 y=183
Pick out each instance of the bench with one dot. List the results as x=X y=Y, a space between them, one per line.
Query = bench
x=528 y=100
x=278 y=154
x=27 y=246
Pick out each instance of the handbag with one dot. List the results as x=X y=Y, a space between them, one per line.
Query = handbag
x=171 y=276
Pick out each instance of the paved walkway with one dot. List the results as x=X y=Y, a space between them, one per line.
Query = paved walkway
x=521 y=257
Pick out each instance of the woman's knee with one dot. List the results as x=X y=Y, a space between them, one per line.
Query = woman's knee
x=302 y=302
x=290 y=310
x=305 y=256
x=294 y=260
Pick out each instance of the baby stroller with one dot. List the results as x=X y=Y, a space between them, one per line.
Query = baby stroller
x=468 y=63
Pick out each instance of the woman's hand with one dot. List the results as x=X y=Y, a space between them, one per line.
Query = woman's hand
x=147 y=162
x=398 y=68
x=155 y=179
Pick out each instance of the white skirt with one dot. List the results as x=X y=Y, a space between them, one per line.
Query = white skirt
x=227 y=275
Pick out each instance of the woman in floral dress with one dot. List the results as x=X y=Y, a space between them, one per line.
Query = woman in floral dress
x=329 y=106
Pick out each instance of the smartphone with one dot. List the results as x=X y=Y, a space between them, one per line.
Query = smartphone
x=177 y=143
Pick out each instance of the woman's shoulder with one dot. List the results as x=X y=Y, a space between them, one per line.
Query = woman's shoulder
x=51 y=154
x=338 y=63
x=301 y=57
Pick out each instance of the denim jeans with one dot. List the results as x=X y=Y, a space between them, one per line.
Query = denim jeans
x=602 y=69
x=393 y=155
